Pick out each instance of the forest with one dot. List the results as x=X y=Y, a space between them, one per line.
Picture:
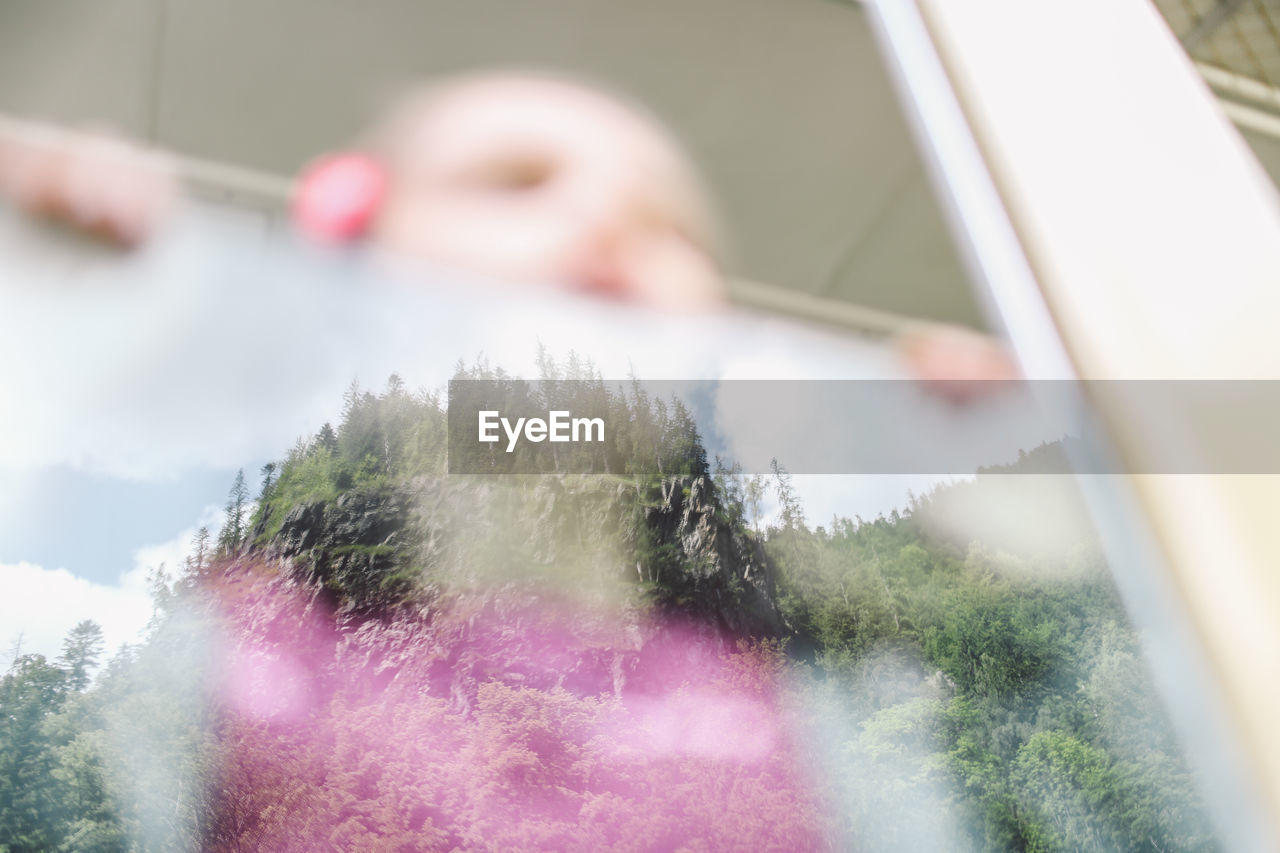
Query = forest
x=662 y=654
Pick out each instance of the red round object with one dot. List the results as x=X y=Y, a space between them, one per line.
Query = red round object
x=338 y=196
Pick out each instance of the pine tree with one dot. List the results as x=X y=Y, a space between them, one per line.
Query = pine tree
x=753 y=494
x=268 y=471
x=162 y=592
x=327 y=439
x=80 y=653
x=31 y=795
x=198 y=559
x=729 y=486
x=791 y=513
x=233 y=533
x=548 y=370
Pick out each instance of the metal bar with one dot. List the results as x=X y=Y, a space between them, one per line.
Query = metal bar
x=207 y=178
x=243 y=187
x=846 y=315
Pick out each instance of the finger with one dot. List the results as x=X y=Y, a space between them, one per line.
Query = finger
x=37 y=178
x=118 y=191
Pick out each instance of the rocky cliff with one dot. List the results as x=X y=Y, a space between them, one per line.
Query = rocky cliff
x=670 y=539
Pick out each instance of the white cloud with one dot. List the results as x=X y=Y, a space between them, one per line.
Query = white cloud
x=173 y=552
x=41 y=605
x=867 y=495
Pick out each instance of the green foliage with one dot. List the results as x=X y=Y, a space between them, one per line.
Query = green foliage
x=31 y=794
x=382 y=439
x=234 y=529
x=958 y=696
x=993 y=641
x=393 y=446
x=80 y=653
x=994 y=700
x=110 y=765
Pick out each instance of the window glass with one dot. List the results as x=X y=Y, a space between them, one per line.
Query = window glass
x=315 y=546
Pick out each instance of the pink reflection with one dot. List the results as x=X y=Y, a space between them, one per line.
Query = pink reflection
x=703 y=723
x=261 y=686
x=498 y=724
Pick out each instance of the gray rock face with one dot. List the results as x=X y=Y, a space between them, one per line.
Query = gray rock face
x=718 y=571
x=373 y=548
x=440 y=585
x=357 y=547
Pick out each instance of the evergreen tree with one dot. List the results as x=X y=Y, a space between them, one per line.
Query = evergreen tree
x=548 y=370
x=268 y=473
x=753 y=495
x=198 y=559
x=939 y=665
x=30 y=793
x=80 y=653
x=15 y=648
x=327 y=439
x=234 y=529
x=790 y=511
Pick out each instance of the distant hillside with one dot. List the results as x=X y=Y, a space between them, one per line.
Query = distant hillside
x=367 y=512
x=383 y=656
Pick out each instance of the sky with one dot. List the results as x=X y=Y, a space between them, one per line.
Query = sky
x=137 y=387
x=42 y=603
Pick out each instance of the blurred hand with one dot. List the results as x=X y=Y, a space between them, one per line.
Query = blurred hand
x=107 y=187
x=959 y=364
